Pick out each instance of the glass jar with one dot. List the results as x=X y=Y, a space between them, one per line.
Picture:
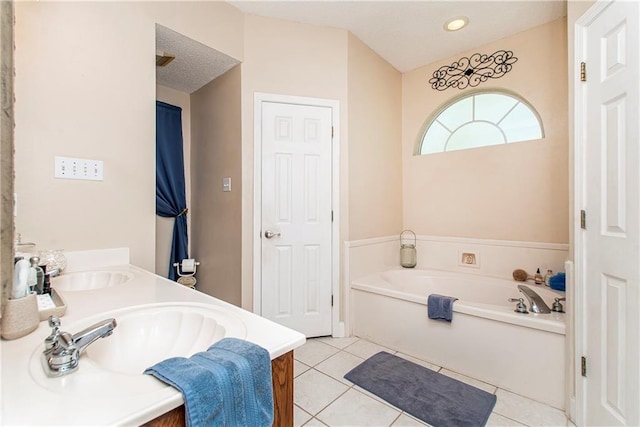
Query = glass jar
x=408 y=254
x=54 y=259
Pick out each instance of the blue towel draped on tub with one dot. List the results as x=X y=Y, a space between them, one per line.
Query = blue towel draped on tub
x=227 y=385
x=440 y=307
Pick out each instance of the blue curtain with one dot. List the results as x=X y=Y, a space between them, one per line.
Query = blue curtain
x=170 y=193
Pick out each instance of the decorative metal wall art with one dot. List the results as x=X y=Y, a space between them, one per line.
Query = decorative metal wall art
x=470 y=72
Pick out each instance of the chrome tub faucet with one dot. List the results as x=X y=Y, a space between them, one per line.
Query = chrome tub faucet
x=536 y=303
x=62 y=350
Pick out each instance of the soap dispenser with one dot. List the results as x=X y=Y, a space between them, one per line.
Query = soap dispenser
x=20 y=280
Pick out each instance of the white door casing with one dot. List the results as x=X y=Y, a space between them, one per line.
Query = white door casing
x=295 y=272
x=608 y=189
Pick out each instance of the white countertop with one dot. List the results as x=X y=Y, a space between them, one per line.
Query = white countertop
x=98 y=397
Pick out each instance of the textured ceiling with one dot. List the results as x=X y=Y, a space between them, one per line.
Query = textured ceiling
x=409 y=34
x=195 y=65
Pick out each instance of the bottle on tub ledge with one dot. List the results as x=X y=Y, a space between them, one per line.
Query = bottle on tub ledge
x=548 y=276
x=537 y=278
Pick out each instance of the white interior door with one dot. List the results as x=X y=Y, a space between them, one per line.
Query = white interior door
x=296 y=216
x=609 y=248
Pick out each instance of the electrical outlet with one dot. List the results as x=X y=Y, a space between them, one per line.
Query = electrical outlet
x=72 y=168
x=469 y=259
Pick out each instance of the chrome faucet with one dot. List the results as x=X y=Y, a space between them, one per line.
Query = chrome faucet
x=536 y=303
x=62 y=350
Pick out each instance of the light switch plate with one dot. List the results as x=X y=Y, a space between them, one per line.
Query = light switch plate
x=73 y=168
x=226 y=183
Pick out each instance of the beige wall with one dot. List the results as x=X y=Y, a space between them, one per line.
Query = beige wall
x=510 y=192
x=97 y=76
x=164 y=226
x=302 y=60
x=375 y=144
x=85 y=87
x=287 y=58
x=216 y=215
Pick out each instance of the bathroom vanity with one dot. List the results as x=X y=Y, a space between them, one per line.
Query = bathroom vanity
x=157 y=319
x=282 y=371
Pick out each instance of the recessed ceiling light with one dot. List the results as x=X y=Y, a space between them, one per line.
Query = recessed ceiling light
x=456 y=24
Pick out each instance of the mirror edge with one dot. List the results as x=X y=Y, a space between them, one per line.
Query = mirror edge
x=7 y=174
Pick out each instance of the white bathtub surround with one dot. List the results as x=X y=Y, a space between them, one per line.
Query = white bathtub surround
x=79 y=398
x=363 y=257
x=487 y=340
x=496 y=258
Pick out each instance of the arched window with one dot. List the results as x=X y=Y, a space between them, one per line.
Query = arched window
x=480 y=119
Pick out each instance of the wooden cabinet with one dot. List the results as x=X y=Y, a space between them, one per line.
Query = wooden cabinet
x=282 y=372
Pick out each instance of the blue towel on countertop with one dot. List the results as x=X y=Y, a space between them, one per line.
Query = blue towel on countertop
x=227 y=385
x=440 y=307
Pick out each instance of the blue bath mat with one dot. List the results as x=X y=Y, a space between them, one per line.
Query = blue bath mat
x=432 y=397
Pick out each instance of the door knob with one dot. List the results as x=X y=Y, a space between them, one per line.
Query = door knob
x=270 y=234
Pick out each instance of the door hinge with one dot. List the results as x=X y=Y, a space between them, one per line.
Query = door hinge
x=583 y=71
x=331 y=300
x=583 y=366
x=583 y=219
x=331 y=132
x=331 y=216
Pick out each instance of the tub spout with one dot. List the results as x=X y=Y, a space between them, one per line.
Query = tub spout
x=536 y=302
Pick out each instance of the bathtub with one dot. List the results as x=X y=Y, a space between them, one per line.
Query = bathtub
x=486 y=340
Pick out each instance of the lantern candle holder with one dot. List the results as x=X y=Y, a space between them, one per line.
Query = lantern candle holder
x=408 y=254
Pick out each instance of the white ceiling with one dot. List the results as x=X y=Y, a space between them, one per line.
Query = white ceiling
x=195 y=64
x=409 y=34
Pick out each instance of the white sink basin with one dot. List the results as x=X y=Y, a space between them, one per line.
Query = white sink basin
x=148 y=335
x=89 y=280
x=144 y=336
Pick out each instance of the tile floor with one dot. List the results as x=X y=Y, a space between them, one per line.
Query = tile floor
x=323 y=397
